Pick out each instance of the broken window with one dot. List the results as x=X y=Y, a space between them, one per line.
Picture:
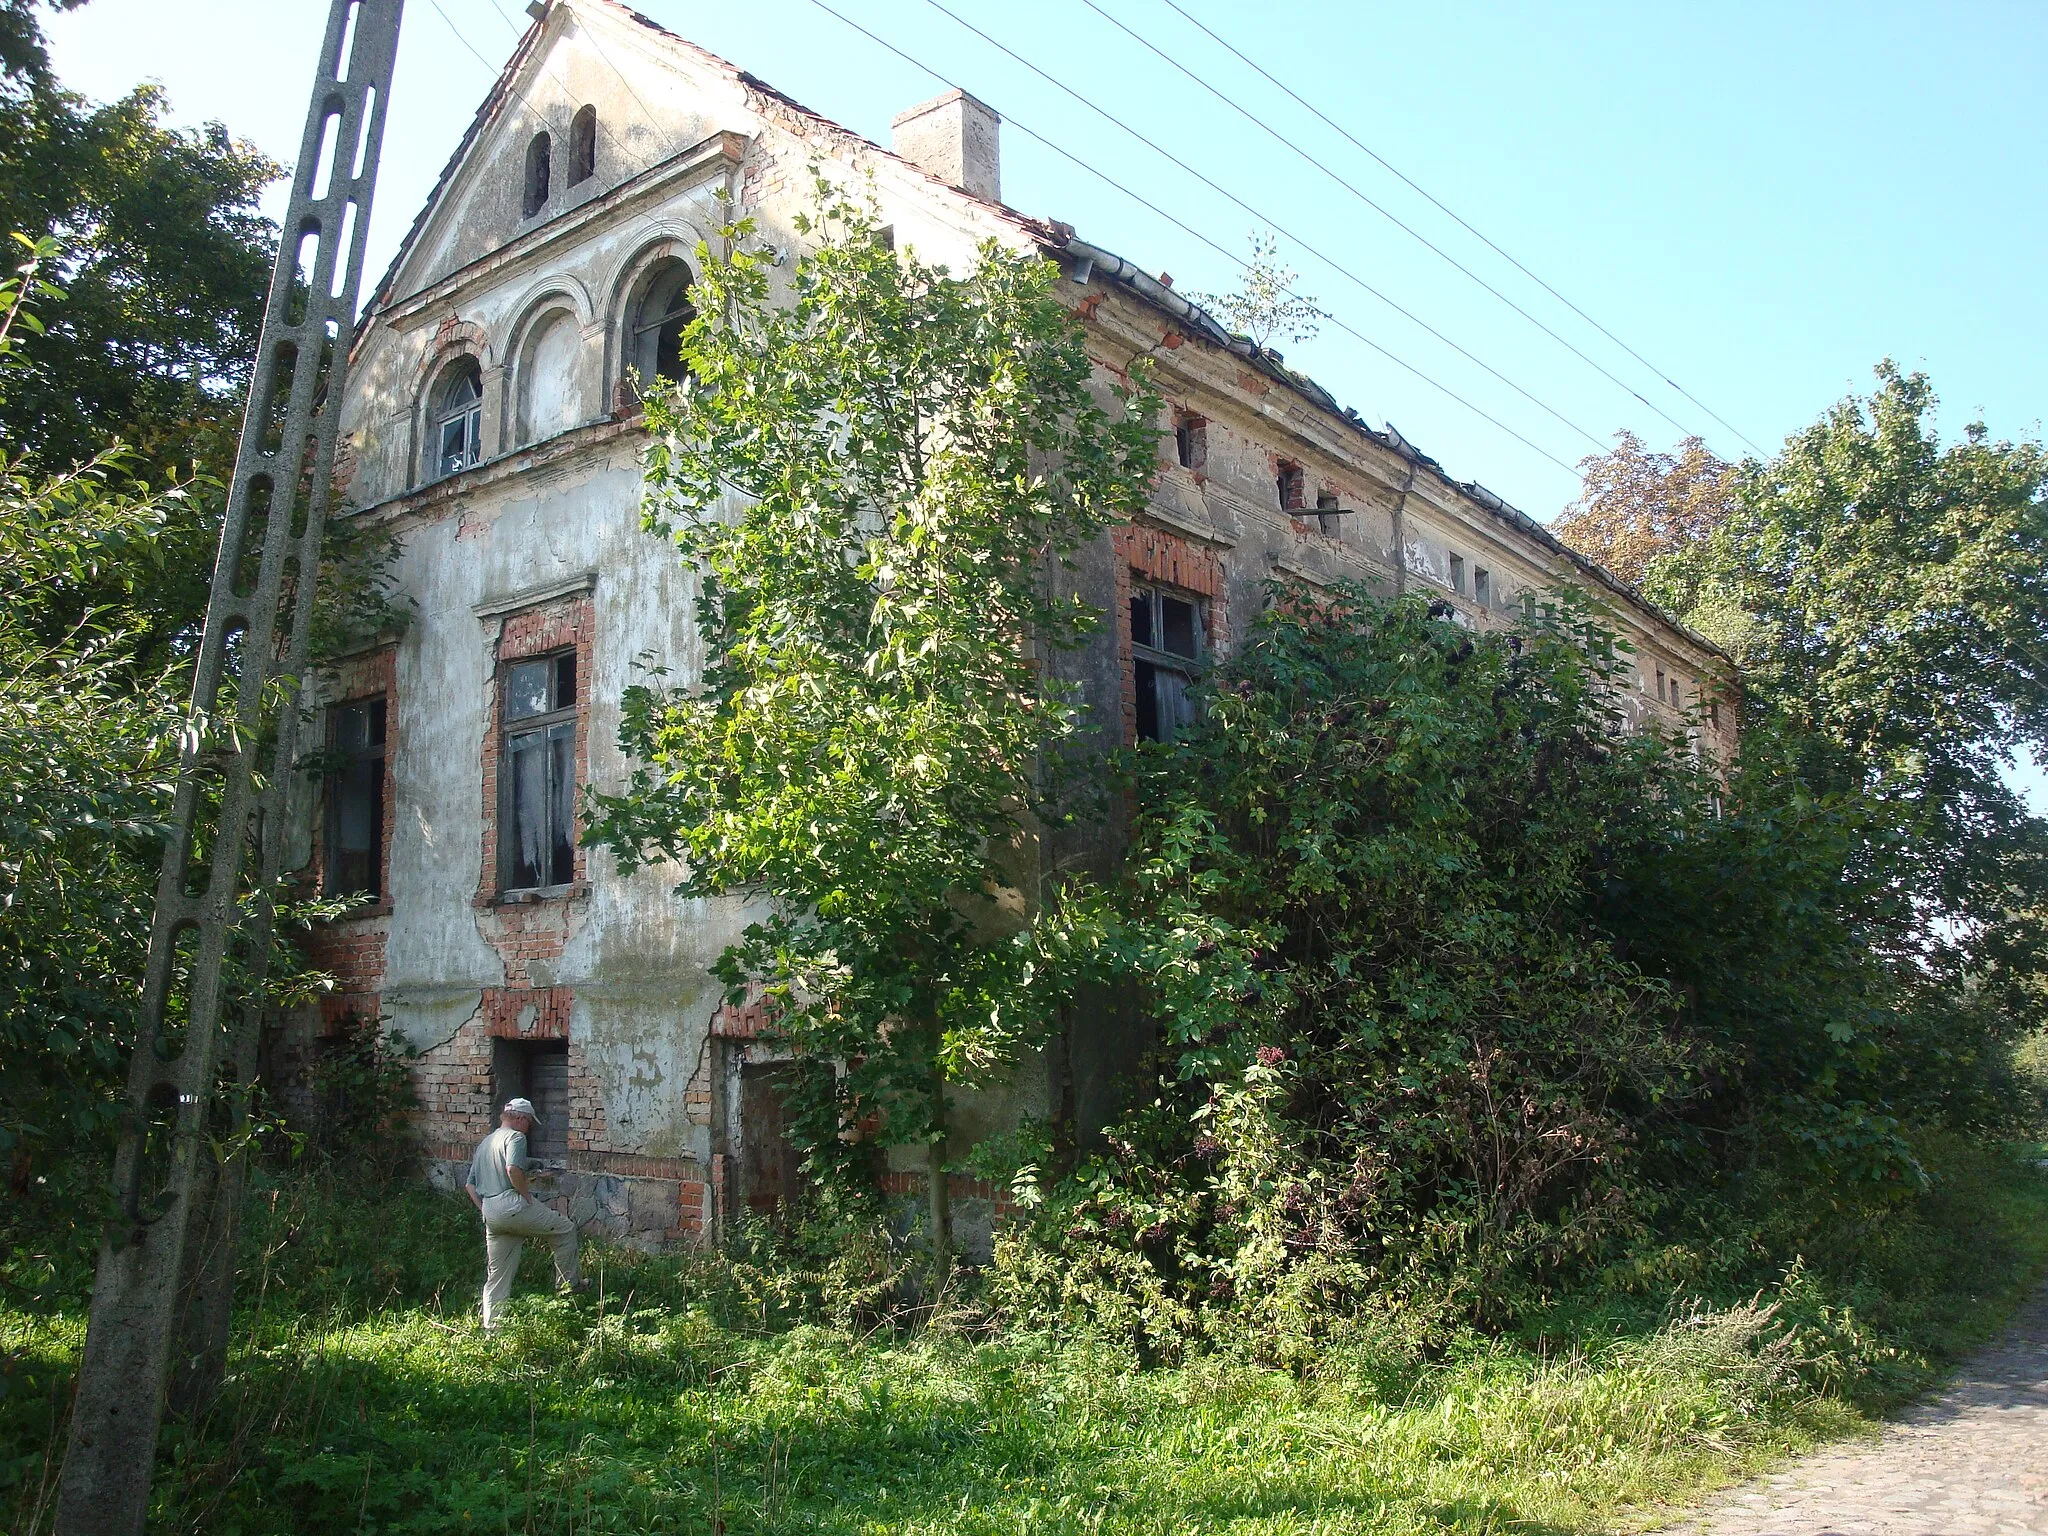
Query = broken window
x=654 y=340
x=538 y=781
x=457 y=422
x=1288 y=484
x=583 y=146
x=1166 y=652
x=355 y=800
x=1190 y=440
x=539 y=171
x=1482 y=586
x=536 y=1070
x=1458 y=574
x=1328 y=513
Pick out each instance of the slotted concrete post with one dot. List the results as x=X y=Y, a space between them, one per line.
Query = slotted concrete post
x=245 y=709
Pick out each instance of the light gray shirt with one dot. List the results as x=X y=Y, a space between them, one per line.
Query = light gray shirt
x=496 y=1155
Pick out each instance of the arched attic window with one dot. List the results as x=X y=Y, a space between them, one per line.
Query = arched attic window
x=583 y=146
x=655 y=320
x=455 y=419
x=539 y=169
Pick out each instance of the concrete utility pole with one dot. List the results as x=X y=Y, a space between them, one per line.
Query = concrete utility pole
x=177 y=1219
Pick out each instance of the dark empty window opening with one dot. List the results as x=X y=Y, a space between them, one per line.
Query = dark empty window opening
x=654 y=342
x=537 y=784
x=536 y=1070
x=1713 y=712
x=583 y=146
x=540 y=154
x=1482 y=586
x=1662 y=697
x=1458 y=574
x=1166 y=654
x=771 y=1165
x=1288 y=484
x=355 y=800
x=1190 y=440
x=1329 y=515
x=456 y=425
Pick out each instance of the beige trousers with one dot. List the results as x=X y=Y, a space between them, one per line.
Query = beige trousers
x=509 y=1220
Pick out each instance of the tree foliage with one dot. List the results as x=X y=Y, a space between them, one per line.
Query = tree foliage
x=1638 y=505
x=877 y=476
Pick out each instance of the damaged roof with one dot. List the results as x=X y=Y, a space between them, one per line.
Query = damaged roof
x=1057 y=240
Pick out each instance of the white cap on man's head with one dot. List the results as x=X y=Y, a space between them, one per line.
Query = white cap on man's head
x=521 y=1107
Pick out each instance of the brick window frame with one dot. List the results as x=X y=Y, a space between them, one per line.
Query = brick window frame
x=1147 y=556
x=359 y=680
x=561 y=626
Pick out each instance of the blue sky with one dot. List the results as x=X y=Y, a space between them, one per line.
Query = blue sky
x=1761 y=199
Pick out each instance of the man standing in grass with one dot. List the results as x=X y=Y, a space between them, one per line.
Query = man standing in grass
x=498 y=1189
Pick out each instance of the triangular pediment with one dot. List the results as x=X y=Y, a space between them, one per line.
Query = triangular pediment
x=654 y=94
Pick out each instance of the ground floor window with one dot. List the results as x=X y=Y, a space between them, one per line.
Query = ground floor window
x=536 y=1070
x=355 y=800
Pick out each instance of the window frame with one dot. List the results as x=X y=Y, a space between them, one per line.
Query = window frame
x=558 y=719
x=1148 y=656
x=639 y=324
x=446 y=412
x=1190 y=439
x=376 y=755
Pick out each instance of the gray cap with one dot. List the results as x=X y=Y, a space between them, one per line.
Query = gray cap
x=521 y=1107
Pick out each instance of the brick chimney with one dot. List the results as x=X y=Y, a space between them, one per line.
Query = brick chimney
x=956 y=139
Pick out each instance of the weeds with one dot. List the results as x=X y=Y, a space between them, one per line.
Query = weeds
x=673 y=1406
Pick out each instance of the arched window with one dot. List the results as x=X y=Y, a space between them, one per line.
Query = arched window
x=455 y=424
x=655 y=321
x=549 y=400
x=583 y=146
x=539 y=168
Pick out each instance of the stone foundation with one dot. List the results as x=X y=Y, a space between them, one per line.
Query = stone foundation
x=639 y=1211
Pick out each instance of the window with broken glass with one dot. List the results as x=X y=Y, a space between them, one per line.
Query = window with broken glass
x=458 y=424
x=537 y=785
x=355 y=800
x=1166 y=657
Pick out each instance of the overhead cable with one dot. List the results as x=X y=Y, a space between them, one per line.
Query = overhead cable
x=1157 y=148
x=1195 y=234
x=1408 y=229
x=1449 y=212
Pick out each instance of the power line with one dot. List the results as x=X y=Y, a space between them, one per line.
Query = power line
x=1189 y=230
x=1159 y=149
x=1451 y=213
x=1349 y=186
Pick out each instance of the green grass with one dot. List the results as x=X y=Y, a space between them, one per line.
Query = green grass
x=363 y=1398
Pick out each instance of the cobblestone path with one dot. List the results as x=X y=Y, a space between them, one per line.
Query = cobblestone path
x=1971 y=1462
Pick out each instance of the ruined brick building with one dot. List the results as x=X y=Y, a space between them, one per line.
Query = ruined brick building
x=489 y=422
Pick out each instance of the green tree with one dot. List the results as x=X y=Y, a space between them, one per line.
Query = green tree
x=878 y=475
x=1887 y=596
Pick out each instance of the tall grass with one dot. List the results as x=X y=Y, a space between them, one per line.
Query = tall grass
x=739 y=1393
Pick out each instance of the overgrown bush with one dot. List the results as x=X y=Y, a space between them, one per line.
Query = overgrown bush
x=1466 y=989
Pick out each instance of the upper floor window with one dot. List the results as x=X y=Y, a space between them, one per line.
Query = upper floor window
x=540 y=154
x=355 y=800
x=1482 y=586
x=1458 y=574
x=583 y=146
x=537 y=782
x=456 y=425
x=1166 y=652
x=1329 y=515
x=1288 y=482
x=1190 y=440
x=655 y=322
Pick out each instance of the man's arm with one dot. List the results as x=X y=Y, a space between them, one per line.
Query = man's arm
x=518 y=1178
x=475 y=1199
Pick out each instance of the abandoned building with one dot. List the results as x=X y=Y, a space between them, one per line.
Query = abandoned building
x=490 y=422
